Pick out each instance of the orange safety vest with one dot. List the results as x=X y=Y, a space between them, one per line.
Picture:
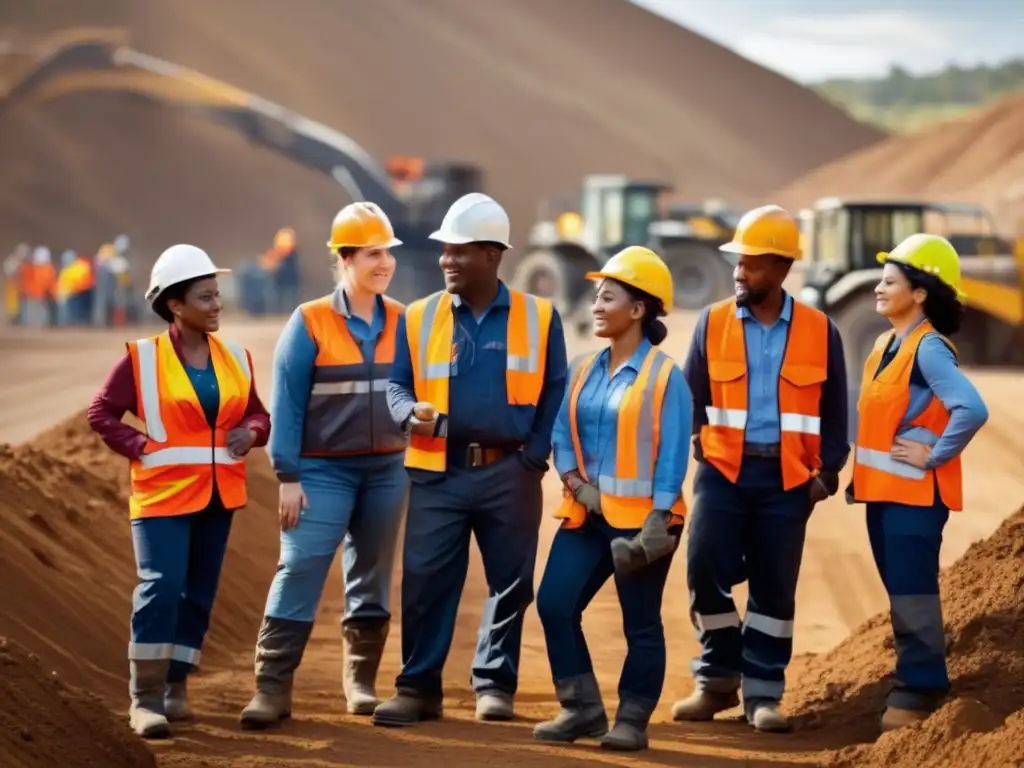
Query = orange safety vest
x=804 y=368
x=628 y=497
x=430 y=326
x=38 y=281
x=881 y=409
x=347 y=412
x=184 y=456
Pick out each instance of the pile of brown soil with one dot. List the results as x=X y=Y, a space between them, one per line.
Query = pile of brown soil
x=46 y=723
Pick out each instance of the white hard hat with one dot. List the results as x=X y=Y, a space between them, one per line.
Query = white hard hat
x=178 y=264
x=474 y=218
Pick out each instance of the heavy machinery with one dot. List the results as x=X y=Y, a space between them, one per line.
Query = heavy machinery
x=415 y=194
x=843 y=237
x=615 y=212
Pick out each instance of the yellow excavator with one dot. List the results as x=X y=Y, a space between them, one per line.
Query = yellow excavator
x=414 y=193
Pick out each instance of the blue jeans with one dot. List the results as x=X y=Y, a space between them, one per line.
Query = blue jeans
x=179 y=562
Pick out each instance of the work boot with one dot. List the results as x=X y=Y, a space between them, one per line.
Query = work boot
x=407 y=707
x=703 y=705
x=765 y=717
x=897 y=717
x=582 y=714
x=176 y=706
x=364 y=647
x=652 y=543
x=279 y=650
x=146 y=685
x=494 y=706
x=630 y=731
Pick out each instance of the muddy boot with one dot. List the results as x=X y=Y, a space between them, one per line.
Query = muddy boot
x=652 y=543
x=176 y=706
x=630 y=731
x=582 y=714
x=704 y=705
x=364 y=647
x=146 y=685
x=897 y=717
x=407 y=707
x=765 y=717
x=279 y=650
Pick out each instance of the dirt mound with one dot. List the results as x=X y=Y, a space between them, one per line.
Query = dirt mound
x=538 y=93
x=983 y=605
x=979 y=158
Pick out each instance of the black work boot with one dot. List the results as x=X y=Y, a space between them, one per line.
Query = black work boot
x=630 y=731
x=364 y=647
x=407 y=707
x=148 y=678
x=176 y=706
x=582 y=714
x=279 y=651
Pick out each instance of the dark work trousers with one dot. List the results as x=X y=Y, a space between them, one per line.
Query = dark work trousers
x=579 y=564
x=751 y=530
x=500 y=505
x=179 y=562
x=905 y=541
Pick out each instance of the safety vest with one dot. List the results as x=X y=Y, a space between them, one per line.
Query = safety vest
x=804 y=368
x=347 y=412
x=628 y=496
x=430 y=326
x=184 y=457
x=75 y=278
x=881 y=409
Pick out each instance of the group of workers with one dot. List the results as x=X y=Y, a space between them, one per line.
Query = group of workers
x=446 y=411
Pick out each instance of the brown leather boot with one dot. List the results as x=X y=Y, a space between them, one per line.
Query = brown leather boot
x=630 y=731
x=407 y=707
x=364 y=647
x=279 y=651
x=582 y=715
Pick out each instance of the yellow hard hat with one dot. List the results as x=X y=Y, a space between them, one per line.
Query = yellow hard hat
x=766 y=230
x=642 y=269
x=932 y=254
x=362 y=225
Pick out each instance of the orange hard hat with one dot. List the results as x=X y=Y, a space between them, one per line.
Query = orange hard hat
x=766 y=230
x=362 y=225
x=285 y=238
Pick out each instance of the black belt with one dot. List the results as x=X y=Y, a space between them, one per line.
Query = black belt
x=762 y=450
x=476 y=455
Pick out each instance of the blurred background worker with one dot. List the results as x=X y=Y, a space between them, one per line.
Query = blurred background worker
x=75 y=289
x=769 y=407
x=338 y=455
x=12 y=275
x=192 y=388
x=106 y=286
x=916 y=414
x=621 y=443
x=38 y=280
x=285 y=275
x=478 y=378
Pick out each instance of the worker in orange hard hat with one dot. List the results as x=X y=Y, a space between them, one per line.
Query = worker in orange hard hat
x=285 y=278
x=770 y=427
x=338 y=456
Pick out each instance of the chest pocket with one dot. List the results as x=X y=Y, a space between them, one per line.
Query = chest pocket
x=803 y=375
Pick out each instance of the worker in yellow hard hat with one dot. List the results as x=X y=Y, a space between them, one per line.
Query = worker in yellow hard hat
x=916 y=414
x=621 y=444
x=770 y=426
x=339 y=458
x=283 y=267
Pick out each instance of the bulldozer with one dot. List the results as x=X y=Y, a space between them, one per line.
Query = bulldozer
x=615 y=212
x=842 y=237
x=413 y=192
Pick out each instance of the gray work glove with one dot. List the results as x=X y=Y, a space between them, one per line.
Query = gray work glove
x=652 y=543
x=588 y=495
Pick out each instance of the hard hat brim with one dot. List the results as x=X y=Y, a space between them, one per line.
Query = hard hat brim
x=445 y=237
x=749 y=250
x=884 y=256
x=155 y=290
x=390 y=244
x=596 y=276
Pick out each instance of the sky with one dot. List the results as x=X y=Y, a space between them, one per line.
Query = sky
x=812 y=40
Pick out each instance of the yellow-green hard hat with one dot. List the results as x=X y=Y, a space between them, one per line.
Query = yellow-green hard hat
x=932 y=254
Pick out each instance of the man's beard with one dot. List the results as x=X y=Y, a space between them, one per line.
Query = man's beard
x=751 y=297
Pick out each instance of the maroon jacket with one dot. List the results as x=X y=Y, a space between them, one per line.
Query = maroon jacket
x=117 y=397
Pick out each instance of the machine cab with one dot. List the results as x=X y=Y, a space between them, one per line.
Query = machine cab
x=429 y=189
x=617 y=212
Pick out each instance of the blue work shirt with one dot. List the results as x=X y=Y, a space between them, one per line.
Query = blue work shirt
x=479 y=411
x=766 y=347
x=597 y=420
x=204 y=382
x=294 y=362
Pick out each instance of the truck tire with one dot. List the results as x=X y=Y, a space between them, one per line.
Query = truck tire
x=700 y=276
x=558 y=274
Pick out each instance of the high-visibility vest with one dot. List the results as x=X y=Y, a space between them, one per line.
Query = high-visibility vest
x=184 y=454
x=430 y=326
x=881 y=409
x=75 y=278
x=628 y=496
x=347 y=412
x=38 y=281
x=804 y=368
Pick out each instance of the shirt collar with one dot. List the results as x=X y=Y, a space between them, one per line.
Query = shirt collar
x=744 y=313
x=636 y=360
x=339 y=302
x=503 y=299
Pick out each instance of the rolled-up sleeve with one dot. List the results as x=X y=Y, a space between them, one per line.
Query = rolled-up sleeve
x=674 y=441
x=960 y=398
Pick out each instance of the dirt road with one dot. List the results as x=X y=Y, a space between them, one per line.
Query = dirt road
x=49 y=376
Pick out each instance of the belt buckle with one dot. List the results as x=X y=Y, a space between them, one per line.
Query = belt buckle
x=475 y=455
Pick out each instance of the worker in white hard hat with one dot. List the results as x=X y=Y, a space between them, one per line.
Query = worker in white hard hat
x=477 y=380
x=196 y=397
x=338 y=456
x=770 y=424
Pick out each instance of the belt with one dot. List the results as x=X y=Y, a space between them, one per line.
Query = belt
x=475 y=455
x=762 y=450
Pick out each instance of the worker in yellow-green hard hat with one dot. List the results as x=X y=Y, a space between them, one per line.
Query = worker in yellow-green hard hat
x=916 y=414
x=621 y=448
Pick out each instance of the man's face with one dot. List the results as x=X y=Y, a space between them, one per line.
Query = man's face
x=755 y=277
x=465 y=266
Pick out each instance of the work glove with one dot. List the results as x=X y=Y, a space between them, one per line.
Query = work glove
x=652 y=543
x=821 y=487
x=588 y=495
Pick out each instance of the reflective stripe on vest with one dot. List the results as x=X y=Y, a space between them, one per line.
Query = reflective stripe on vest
x=882 y=408
x=430 y=328
x=185 y=455
x=627 y=496
x=804 y=369
x=347 y=410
